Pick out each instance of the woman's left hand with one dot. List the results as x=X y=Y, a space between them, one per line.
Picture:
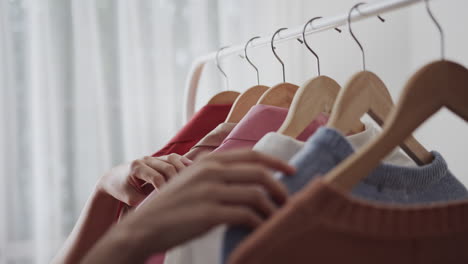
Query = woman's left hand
x=131 y=183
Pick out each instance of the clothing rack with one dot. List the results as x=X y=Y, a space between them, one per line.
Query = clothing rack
x=326 y=23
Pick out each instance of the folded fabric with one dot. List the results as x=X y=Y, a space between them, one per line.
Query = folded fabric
x=260 y=120
x=205 y=120
x=387 y=183
x=323 y=225
x=284 y=147
x=211 y=141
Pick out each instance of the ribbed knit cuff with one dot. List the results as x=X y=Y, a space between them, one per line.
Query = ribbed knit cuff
x=387 y=176
x=342 y=212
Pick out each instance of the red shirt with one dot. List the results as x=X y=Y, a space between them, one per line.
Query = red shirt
x=205 y=120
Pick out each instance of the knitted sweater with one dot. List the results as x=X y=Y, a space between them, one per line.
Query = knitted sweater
x=388 y=183
x=322 y=225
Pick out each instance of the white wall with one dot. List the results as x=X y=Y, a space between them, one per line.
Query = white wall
x=394 y=50
x=445 y=132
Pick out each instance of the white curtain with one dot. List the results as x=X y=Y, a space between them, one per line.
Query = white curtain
x=85 y=85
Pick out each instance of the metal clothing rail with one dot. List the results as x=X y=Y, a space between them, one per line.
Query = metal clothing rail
x=326 y=23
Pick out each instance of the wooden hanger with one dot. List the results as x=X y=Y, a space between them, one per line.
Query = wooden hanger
x=282 y=94
x=314 y=97
x=366 y=93
x=225 y=97
x=248 y=98
x=244 y=102
x=438 y=84
x=442 y=83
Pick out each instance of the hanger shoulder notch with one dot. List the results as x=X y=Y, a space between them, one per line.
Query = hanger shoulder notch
x=226 y=97
x=280 y=95
x=367 y=93
x=441 y=83
x=314 y=97
x=354 y=101
x=244 y=102
x=455 y=92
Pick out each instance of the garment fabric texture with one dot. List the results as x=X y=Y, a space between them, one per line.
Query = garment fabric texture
x=387 y=183
x=260 y=120
x=284 y=147
x=205 y=146
x=202 y=123
x=205 y=120
x=211 y=141
x=323 y=225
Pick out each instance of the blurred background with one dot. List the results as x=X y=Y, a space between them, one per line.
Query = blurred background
x=88 y=84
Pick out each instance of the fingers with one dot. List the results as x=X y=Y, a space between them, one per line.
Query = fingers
x=249 y=156
x=148 y=174
x=236 y=215
x=164 y=168
x=255 y=174
x=250 y=196
x=177 y=161
x=157 y=171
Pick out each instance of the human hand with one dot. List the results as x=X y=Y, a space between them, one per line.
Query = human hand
x=226 y=188
x=131 y=183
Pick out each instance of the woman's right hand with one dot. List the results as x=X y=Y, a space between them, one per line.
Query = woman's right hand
x=131 y=183
x=226 y=188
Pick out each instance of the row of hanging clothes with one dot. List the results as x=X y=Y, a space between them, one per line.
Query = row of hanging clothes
x=360 y=194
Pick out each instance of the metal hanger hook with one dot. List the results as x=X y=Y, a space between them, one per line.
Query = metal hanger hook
x=307 y=45
x=219 y=66
x=439 y=28
x=354 y=37
x=248 y=59
x=304 y=41
x=276 y=55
